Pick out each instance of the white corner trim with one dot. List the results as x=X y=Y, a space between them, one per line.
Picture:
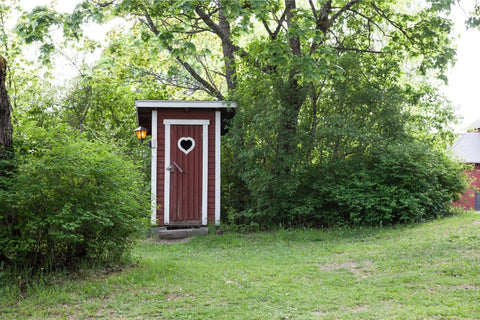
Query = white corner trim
x=153 y=218
x=166 y=191
x=166 y=200
x=205 y=176
x=218 y=119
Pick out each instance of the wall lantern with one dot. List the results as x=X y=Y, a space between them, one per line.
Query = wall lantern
x=141 y=133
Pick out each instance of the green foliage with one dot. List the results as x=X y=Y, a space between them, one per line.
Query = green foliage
x=71 y=201
x=330 y=96
x=368 y=152
x=395 y=183
x=35 y=25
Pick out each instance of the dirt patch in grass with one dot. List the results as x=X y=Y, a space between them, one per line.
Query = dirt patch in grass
x=361 y=269
x=464 y=287
x=103 y=273
x=178 y=295
x=358 y=309
x=170 y=241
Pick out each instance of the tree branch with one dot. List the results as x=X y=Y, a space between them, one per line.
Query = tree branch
x=323 y=21
x=314 y=10
x=368 y=19
x=207 y=72
x=393 y=23
x=342 y=48
x=219 y=32
x=210 y=23
x=339 y=12
x=273 y=35
x=208 y=87
x=151 y=25
x=267 y=28
x=104 y=4
x=321 y=24
x=178 y=81
x=211 y=90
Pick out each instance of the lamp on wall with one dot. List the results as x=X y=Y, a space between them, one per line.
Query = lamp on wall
x=141 y=133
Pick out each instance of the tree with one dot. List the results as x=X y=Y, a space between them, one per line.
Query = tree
x=473 y=20
x=316 y=82
x=6 y=144
x=190 y=30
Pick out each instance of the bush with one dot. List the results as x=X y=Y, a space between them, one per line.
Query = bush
x=73 y=201
x=397 y=183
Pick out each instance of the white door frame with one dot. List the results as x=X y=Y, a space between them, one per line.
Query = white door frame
x=166 y=200
x=153 y=170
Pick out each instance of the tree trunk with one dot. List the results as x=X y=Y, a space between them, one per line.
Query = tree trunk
x=290 y=6
x=292 y=95
x=6 y=129
x=228 y=50
x=7 y=217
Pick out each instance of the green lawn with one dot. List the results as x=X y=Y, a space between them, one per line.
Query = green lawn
x=424 y=271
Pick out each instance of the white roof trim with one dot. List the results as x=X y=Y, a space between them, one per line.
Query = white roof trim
x=183 y=104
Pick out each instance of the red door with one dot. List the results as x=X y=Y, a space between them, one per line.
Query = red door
x=186 y=150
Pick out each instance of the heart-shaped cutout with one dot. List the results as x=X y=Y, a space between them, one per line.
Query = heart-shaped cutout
x=186 y=144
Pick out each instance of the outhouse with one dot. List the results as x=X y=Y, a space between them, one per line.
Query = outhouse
x=185 y=170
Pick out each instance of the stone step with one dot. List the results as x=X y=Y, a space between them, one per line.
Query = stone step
x=174 y=234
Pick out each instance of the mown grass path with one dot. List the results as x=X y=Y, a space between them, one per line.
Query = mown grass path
x=422 y=271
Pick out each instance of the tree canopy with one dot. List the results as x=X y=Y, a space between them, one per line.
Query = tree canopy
x=331 y=95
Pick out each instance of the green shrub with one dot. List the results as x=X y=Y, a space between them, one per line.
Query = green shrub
x=73 y=200
x=366 y=151
x=397 y=183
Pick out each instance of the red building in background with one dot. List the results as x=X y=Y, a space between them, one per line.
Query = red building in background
x=467 y=149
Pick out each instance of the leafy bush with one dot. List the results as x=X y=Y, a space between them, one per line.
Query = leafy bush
x=397 y=183
x=71 y=200
x=364 y=149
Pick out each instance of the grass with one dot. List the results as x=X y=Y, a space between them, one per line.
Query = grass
x=424 y=271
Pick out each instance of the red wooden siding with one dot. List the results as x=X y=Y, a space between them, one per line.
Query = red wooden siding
x=467 y=200
x=160 y=169
x=197 y=114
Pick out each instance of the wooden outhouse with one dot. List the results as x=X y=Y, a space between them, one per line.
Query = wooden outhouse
x=185 y=146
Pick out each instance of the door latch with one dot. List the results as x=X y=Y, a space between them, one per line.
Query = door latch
x=172 y=165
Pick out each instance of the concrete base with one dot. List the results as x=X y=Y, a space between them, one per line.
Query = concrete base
x=174 y=234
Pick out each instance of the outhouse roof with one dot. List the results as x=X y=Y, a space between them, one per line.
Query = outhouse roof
x=183 y=104
x=145 y=107
x=467 y=147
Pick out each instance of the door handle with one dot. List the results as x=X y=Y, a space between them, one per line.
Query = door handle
x=178 y=167
x=171 y=167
